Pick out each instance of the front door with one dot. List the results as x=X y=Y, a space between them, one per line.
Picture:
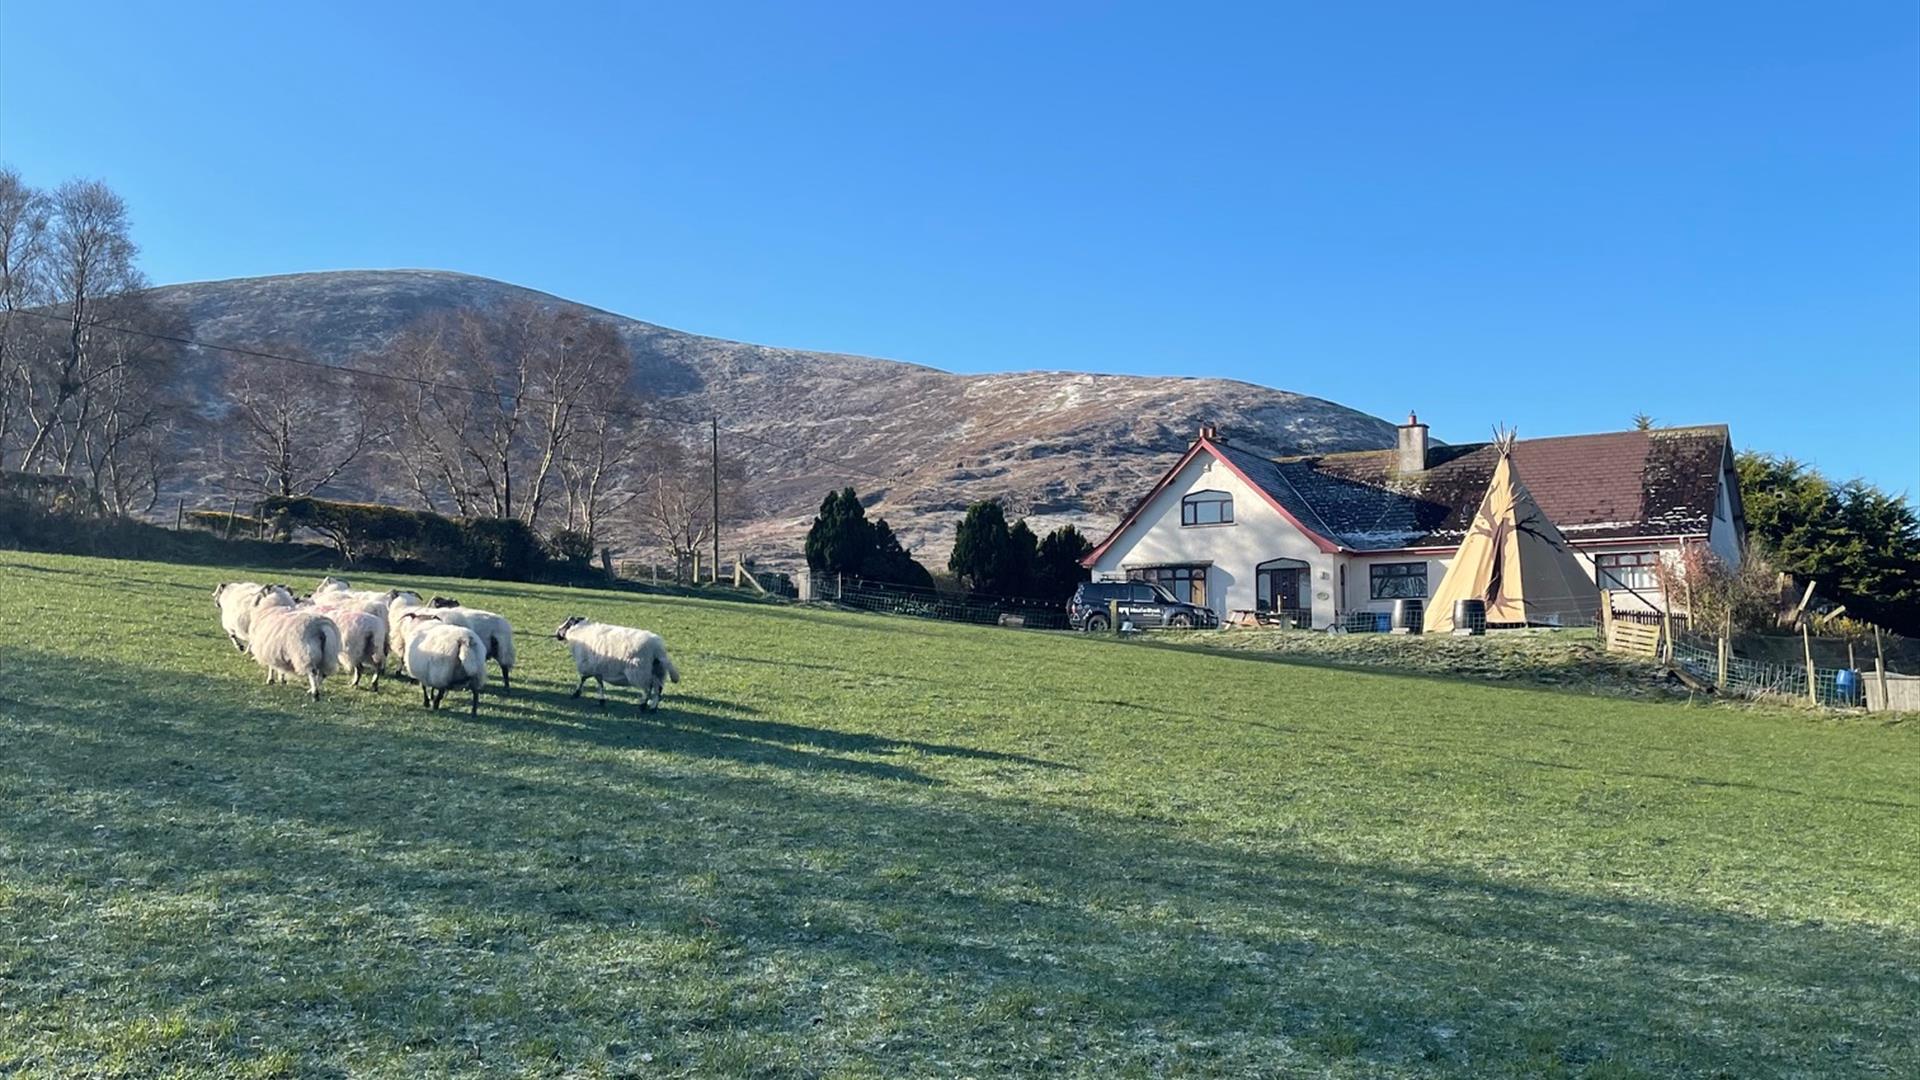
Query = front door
x=1282 y=589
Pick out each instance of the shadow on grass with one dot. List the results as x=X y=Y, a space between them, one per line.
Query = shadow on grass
x=375 y=885
x=687 y=723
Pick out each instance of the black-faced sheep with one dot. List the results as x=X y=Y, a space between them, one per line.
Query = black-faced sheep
x=443 y=657
x=620 y=655
x=494 y=631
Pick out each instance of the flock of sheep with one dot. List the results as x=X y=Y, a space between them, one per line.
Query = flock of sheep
x=442 y=644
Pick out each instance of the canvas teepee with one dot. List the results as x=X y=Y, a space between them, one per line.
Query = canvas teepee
x=1515 y=559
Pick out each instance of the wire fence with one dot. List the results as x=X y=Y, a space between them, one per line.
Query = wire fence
x=1831 y=687
x=891 y=598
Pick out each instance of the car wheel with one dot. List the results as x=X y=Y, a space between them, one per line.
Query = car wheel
x=1096 y=624
x=1180 y=621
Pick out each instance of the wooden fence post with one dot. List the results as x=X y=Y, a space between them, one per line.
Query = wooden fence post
x=1726 y=652
x=179 y=514
x=1806 y=642
x=232 y=509
x=1880 y=671
x=1606 y=616
x=839 y=585
x=1113 y=616
x=1666 y=611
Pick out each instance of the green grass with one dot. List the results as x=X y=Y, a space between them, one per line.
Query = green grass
x=857 y=846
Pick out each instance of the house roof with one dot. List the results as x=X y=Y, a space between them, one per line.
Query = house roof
x=1614 y=486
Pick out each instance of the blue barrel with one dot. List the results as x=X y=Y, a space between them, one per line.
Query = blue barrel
x=1846 y=686
x=1382 y=621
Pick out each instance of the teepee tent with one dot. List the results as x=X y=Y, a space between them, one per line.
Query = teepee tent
x=1516 y=560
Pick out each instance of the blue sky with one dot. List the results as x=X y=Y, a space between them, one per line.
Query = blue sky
x=1542 y=215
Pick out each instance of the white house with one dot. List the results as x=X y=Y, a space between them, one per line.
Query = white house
x=1320 y=538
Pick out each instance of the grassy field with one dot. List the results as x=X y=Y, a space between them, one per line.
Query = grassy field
x=858 y=846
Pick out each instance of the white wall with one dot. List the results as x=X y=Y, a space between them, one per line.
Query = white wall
x=1359 y=595
x=1723 y=538
x=1258 y=533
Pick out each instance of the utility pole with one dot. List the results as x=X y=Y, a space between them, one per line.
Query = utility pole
x=716 y=499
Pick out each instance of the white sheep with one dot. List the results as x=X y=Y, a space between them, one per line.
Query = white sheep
x=443 y=657
x=494 y=631
x=289 y=641
x=235 y=600
x=332 y=590
x=363 y=641
x=399 y=602
x=620 y=655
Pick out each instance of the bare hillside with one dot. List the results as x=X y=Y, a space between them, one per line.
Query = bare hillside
x=1057 y=446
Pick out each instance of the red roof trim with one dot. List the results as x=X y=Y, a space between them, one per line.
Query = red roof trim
x=1193 y=451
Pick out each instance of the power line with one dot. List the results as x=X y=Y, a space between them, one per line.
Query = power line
x=441 y=384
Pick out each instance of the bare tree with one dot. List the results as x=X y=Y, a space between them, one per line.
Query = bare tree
x=493 y=401
x=89 y=266
x=23 y=228
x=597 y=474
x=676 y=503
x=296 y=428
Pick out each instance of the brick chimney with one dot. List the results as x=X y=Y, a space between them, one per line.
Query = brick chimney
x=1208 y=431
x=1412 y=455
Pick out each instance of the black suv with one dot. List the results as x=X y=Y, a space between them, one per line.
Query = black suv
x=1142 y=603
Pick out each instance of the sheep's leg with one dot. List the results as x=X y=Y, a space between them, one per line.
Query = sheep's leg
x=313 y=685
x=438 y=697
x=356 y=675
x=506 y=680
x=474 y=709
x=378 y=670
x=426 y=697
x=603 y=691
x=237 y=643
x=582 y=686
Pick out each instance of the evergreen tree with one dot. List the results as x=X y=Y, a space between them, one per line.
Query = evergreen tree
x=1860 y=544
x=1021 y=561
x=980 y=549
x=841 y=537
x=1057 y=568
x=844 y=541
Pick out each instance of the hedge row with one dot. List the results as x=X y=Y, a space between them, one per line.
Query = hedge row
x=471 y=547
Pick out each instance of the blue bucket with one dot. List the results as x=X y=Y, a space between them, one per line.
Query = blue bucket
x=1846 y=686
x=1382 y=622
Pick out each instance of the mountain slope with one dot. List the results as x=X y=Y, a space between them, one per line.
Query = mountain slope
x=1057 y=446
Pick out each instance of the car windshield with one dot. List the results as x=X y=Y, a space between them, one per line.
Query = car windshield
x=1165 y=596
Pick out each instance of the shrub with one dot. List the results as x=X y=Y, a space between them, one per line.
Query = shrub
x=570 y=546
x=502 y=548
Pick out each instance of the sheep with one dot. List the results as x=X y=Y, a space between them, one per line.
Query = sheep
x=363 y=641
x=442 y=657
x=620 y=655
x=235 y=599
x=493 y=629
x=290 y=641
x=333 y=590
x=399 y=602
x=444 y=602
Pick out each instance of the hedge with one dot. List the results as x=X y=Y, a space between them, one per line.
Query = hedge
x=472 y=547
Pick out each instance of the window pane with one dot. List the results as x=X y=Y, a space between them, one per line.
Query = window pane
x=1393 y=581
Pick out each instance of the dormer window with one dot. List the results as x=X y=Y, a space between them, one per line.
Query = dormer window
x=1207 y=508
